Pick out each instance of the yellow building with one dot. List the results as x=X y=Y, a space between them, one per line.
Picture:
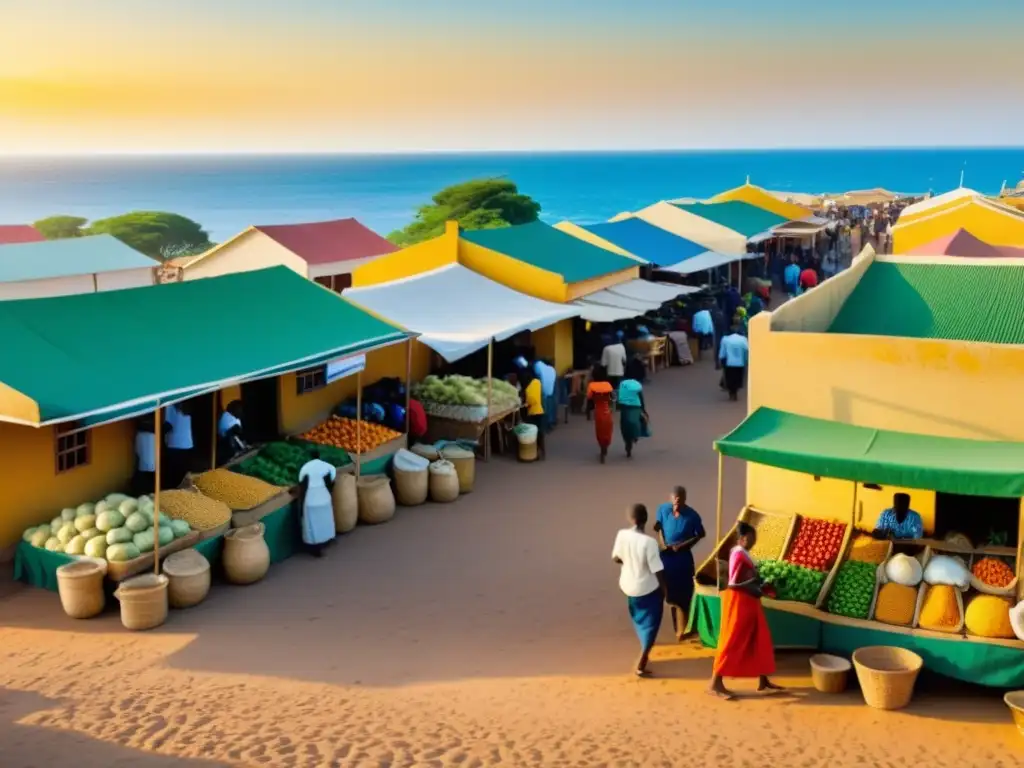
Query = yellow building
x=989 y=221
x=930 y=346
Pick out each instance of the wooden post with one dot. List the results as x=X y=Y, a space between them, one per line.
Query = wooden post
x=359 y=421
x=490 y=373
x=158 y=430
x=213 y=447
x=853 y=512
x=718 y=523
x=408 y=383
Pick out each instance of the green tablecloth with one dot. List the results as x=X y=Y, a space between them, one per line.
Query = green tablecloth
x=38 y=567
x=997 y=666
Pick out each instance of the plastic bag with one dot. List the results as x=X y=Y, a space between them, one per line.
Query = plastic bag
x=407 y=461
x=945 y=569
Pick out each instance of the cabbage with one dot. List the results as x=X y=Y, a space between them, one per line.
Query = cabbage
x=114 y=500
x=66 y=534
x=166 y=535
x=144 y=540
x=179 y=527
x=56 y=524
x=109 y=520
x=137 y=522
x=96 y=547
x=943 y=569
x=119 y=536
x=68 y=514
x=92 y=533
x=100 y=508
x=903 y=569
x=128 y=506
x=76 y=546
x=27 y=535
x=40 y=537
x=85 y=522
x=119 y=553
x=53 y=545
x=85 y=509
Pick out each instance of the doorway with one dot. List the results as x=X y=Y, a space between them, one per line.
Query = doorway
x=985 y=520
x=259 y=409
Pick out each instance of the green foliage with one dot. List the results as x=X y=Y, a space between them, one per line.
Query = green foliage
x=60 y=227
x=154 y=233
x=477 y=204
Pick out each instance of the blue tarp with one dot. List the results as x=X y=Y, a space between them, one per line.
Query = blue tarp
x=656 y=245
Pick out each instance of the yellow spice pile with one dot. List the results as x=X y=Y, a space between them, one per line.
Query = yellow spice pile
x=236 y=490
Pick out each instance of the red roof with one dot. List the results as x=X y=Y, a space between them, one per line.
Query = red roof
x=19 y=233
x=963 y=243
x=323 y=242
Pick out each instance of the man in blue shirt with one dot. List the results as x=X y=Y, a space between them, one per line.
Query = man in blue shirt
x=733 y=354
x=791 y=278
x=548 y=380
x=899 y=521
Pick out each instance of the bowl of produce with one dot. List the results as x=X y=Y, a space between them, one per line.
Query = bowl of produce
x=791 y=582
x=829 y=673
x=993 y=576
x=816 y=543
x=887 y=675
x=1015 y=701
x=853 y=590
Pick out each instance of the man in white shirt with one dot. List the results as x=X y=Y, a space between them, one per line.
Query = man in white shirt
x=230 y=434
x=178 y=443
x=642 y=580
x=144 y=480
x=613 y=360
x=703 y=328
x=733 y=354
x=316 y=481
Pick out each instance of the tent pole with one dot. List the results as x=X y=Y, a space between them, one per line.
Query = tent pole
x=213 y=448
x=718 y=523
x=158 y=451
x=408 y=383
x=359 y=421
x=853 y=513
x=490 y=374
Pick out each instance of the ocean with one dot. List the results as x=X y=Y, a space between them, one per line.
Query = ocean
x=228 y=193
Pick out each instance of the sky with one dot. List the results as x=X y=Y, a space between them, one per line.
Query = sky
x=465 y=75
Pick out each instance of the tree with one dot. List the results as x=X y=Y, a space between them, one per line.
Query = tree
x=153 y=232
x=476 y=204
x=60 y=227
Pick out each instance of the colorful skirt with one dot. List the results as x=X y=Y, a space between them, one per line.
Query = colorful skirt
x=646 y=612
x=744 y=641
x=630 y=423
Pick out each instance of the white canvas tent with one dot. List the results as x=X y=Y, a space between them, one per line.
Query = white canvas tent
x=705 y=261
x=457 y=311
x=627 y=300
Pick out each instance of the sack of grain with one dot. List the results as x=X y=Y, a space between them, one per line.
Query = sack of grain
x=345 y=502
x=376 y=501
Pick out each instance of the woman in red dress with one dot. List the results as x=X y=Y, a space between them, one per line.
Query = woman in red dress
x=599 y=400
x=744 y=642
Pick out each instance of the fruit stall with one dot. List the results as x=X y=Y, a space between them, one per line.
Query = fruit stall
x=464 y=408
x=954 y=601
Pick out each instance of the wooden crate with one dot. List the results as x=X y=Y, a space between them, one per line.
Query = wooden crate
x=756 y=517
x=257 y=513
x=929 y=553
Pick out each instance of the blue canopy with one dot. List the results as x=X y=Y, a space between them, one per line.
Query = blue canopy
x=649 y=242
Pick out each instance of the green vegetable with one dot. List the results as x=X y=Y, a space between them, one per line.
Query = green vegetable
x=853 y=590
x=92 y=533
x=96 y=547
x=53 y=545
x=137 y=522
x=76 y=546
x=56 y=524
x=792 y=582
x=85 y=509
x=128 y=506
x=66 y=534
x=144 y=540
x=40 y=537
x=179 y=528
x=67 y=514
x=119 y=553
x=109 y=520
x=85 y=522
x=114 y=500
x=27 y=535
x=119 y=536
x=166 y=535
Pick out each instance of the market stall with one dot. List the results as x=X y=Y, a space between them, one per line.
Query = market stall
x=952 y=600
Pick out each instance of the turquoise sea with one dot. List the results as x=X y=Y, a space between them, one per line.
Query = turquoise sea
x=228 y=193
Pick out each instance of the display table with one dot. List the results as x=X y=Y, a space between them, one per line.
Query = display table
x=996 y=663
x=453 y=429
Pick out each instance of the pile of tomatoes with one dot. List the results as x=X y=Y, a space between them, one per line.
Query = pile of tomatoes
x=816 y=543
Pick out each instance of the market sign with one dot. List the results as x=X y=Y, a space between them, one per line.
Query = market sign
x=345 y=366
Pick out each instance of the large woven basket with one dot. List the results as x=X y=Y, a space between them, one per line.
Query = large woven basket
x=246 y=557
x=444 y=482
x=188 y=574
x=886 y=675
x=143 y=601
x=465 y=466
x=527 y=452
x=80 y=585
x=1015 y=701
x=829 y=673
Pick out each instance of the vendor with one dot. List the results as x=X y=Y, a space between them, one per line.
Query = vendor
x=548 y=379
x=230 y=442
x=316 y=481
x=178 y=457
x=899 y=521
x=144 y=479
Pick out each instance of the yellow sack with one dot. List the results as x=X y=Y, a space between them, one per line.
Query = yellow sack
x=940 y=610
x=989 y=616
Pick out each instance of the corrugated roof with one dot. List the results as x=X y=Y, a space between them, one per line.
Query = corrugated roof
x=643 y=239
x=74 y=256
x=962 y=302
x=63 y=353
x=748 y=220
x=324 y=242
x=19 y=233
x=547 y=248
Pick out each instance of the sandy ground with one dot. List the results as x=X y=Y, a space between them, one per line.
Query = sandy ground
x=486 y=632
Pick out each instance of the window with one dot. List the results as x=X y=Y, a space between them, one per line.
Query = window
x=72 y=446
x=310 y=379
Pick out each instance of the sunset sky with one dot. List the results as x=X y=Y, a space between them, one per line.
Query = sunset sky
x=406 y=75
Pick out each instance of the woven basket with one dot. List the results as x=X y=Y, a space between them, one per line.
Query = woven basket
x=444 y=482
x=1015 y=701
x=188 y=574
x=829 y=673
x=345 y=502
x=428 y=452
x=886 y=675
x=80 y=585
x=527 y=452
x=143 y=601
x=376 y=501
x=246 y=555
x=465 y=466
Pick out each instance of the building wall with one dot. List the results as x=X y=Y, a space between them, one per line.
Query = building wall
x=934 y=387
x=298 y=413
x=586 y=287
x=125 y=278
x=248 y=252
x=33 y=491
x=555 y=342
x=515 y=274
x=39 y=289
x=414 y=260
x=987 y=223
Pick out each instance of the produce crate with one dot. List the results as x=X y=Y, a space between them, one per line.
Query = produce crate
x=878 y=580
x=895 y=548
x=759 y=518
x=123 y=570
x=830 y=579
x=249 y=516
x=987 y=589
x=382 y=450
x=922 y=589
